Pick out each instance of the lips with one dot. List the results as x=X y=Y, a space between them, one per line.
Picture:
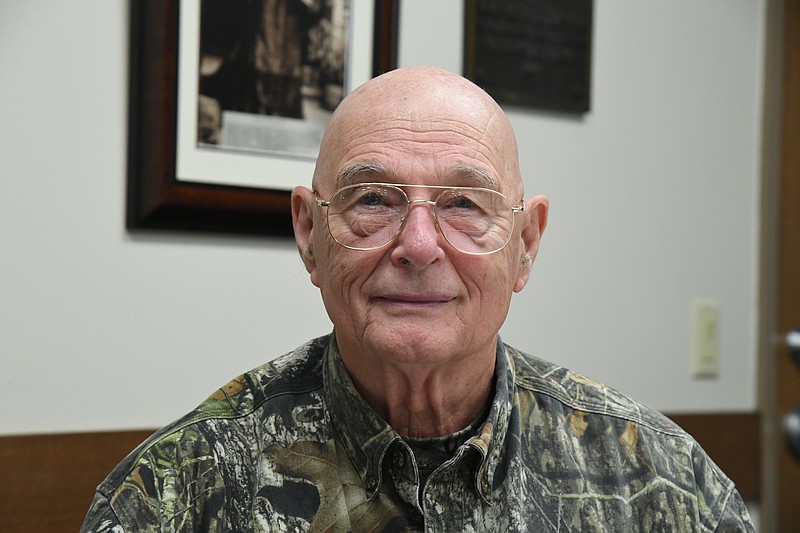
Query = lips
x=428 y=299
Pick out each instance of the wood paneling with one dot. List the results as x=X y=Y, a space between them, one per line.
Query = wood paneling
x=48 y=481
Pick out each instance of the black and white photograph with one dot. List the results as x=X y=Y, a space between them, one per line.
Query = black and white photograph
x=270 y=73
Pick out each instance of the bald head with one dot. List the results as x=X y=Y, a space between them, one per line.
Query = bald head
x=424 y=111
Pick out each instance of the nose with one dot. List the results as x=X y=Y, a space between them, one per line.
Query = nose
x=419 y=242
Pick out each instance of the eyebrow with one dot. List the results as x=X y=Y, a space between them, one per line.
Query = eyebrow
x=362 y=172
x=474 y=177
x=459 y=174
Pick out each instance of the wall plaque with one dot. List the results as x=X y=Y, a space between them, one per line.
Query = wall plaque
x=532 y=53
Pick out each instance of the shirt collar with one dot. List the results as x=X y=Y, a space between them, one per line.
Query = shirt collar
x=367 y=437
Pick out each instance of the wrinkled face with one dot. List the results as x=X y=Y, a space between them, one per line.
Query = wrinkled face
x=417 y=299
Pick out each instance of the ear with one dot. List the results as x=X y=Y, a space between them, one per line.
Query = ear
x=535 y=221
x=303 y=203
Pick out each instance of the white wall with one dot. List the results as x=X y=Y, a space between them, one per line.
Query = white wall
x=654 y=203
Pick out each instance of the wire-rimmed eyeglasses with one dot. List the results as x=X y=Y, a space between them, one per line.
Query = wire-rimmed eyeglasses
x=368 y=216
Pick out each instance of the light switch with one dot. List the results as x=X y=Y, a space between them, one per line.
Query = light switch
x=705 y=338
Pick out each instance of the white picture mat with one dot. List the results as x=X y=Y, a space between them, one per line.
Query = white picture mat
x=195 y=164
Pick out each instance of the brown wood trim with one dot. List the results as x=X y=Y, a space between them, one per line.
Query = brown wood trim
x=49 y=480
x=733 y=441
x=787 y=395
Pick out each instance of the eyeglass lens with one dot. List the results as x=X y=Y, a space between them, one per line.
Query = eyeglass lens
x=369 y=216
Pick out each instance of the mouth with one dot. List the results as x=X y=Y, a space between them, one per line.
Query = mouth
x=413 y=300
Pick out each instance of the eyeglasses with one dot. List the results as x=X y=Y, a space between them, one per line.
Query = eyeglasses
x=368 y=216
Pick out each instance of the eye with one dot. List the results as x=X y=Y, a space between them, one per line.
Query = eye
x=462 y=202
x=372 y=199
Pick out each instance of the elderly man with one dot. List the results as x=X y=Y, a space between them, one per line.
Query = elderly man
x=413 y=415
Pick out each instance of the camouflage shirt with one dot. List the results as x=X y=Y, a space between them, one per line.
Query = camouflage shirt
x=291 y=446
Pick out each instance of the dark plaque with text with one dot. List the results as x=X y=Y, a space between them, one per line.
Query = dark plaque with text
x=533 y=53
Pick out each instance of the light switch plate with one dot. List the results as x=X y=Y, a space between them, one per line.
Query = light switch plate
x=705 y=338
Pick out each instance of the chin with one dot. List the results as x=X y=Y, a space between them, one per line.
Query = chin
x=414 y=344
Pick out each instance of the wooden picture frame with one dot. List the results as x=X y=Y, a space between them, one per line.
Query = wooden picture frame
x=156 y=198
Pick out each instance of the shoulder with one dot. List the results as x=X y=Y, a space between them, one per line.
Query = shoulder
x=296 y=372
x=222 y=424
x=575 y=391
x=616 y=445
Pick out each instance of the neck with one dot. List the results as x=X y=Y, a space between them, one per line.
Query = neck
x=425 y=400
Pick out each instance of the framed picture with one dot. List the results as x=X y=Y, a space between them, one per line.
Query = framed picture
x=531 y=53
x=186 y=171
